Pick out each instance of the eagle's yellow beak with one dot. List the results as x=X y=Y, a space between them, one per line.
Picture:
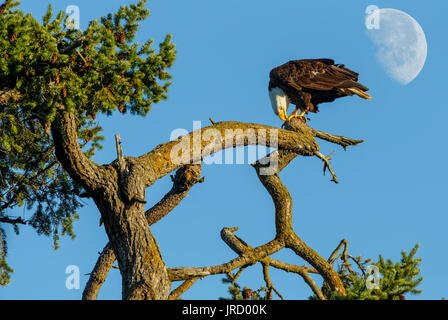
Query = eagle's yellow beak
x=283 y=115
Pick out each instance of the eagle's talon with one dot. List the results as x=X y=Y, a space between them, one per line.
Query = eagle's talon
x=300 y=116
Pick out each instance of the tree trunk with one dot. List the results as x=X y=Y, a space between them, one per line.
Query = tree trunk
x=144 y=274
x=143 y=271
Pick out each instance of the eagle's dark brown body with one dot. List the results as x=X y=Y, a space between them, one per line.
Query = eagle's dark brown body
x=312 y=81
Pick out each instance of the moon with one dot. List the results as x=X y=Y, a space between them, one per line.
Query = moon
x=400 y=43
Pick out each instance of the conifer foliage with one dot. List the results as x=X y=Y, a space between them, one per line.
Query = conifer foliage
x=395 y=280
x=48 y=66
x=245 y=293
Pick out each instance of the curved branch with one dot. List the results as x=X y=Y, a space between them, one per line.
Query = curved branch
x=18 y=220
x=312 y=257
x=206 y=141
x=99 y=273
x=182 y=288
x=185 y=178
x=283 y=207
x=68 y=152
x=269 y=286
x=333 y=258
x=313 y=286
x=239 y=246
x=342 y=141
x=252 y=256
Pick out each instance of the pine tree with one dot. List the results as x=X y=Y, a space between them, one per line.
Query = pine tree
x=395 y=280
x=48 y=67
x=245 y=293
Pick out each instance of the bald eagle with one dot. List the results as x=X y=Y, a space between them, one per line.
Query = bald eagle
x=306 y=83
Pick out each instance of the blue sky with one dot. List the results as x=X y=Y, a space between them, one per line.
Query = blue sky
x=392 y=190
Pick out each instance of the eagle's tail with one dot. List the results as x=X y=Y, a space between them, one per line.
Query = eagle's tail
x=357 y=91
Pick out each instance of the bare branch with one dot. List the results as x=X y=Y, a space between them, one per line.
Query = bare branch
x=344 y=256
x=68 y=152
x=326 y=161
x=18 y=220
x=283 y=207
x=99 y=273
x=185 y=178
x=258 y=253
x=158 y=163
x=239 y=246
x=181 y=289
x=269 y=286
x=332 y=258
x=313 y=286
x=237 y=275
x=342 y=141
x=120 y=158
x=83 y=59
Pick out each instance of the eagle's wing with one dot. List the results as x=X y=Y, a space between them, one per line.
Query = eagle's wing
x=321 y=74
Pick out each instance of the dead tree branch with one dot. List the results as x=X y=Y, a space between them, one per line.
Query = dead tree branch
x=344 y=256
x=239 y=246
x=176 y=293
x=269 y=286
x=283 y=207
x=184 y=179
x=18 y=220
x=99 y=273
x=296 y=139
x=252 y=256
x=342 y=141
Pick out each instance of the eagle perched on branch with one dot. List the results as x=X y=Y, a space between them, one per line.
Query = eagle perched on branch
x=306 y=83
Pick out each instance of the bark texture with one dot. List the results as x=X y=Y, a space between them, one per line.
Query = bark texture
x=185 y=178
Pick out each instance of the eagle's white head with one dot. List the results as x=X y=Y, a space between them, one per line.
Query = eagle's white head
x=280 y=102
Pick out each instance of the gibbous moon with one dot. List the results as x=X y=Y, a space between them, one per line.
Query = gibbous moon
x=401 y=44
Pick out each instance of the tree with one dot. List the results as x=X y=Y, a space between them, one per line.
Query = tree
x=54 y=80
x=390 y=281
